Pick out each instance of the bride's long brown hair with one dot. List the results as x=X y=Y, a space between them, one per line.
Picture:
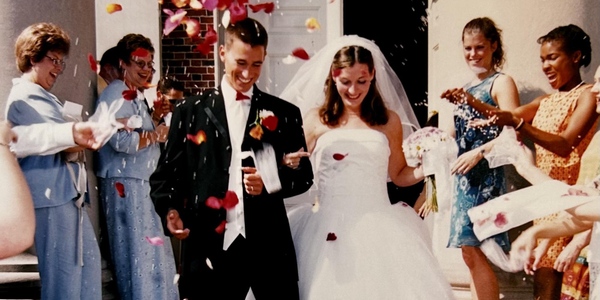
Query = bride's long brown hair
x=372 y=110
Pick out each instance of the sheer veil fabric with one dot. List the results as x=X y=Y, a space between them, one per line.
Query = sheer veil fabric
x=306 y=89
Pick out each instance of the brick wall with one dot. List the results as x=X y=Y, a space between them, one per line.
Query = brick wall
x=179 y=58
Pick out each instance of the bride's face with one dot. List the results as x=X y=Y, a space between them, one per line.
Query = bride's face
x=353 y=84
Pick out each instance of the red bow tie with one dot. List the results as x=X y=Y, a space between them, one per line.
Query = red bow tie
x=240 y=96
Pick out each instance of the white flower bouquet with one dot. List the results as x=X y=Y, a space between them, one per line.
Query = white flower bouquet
x=433 y=149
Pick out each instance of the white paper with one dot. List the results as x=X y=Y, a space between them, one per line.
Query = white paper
x=72 y=111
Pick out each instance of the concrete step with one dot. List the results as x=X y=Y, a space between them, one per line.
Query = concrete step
x=19 y=277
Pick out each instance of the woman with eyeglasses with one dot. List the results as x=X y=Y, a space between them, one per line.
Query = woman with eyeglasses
x=51 y=160
x=142 y=256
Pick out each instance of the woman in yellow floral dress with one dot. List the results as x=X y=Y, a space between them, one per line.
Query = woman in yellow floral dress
x=561 y=126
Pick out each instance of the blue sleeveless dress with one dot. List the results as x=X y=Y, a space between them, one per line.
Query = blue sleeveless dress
x=481 y=183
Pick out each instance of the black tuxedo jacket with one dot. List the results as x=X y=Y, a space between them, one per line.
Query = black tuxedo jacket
x=189 y=173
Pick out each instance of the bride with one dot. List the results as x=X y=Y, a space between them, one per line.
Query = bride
x=352 y=243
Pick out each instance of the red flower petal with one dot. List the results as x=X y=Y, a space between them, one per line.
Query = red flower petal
x=210 y=37
x=155 y=241
x=221 y=228
x=129 y=94
x=270 y=122
x=336 y=72
x=339 y=156
x=331 y=237
x=300 y=53
x=198 y=138
x=238 y=12
x=230 y=200
x=113 y=7
x=224 y=4
x=93 y=63
x=213 y=202
x=203 y=48
x=267 y=7
x=140 y=52
x=500 y=220
x=120 y=189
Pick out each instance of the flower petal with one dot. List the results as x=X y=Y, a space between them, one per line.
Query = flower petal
x=192 y=27
x=113 y=7
x=155 y=241
x=93 y=62
x=180 y=3
x=230 y=200
x=339 y=156
x=213 y=202
x=210 y=4
x=203 y=48
x=221 y=228
x=173 y=21
x=238 y=12
x=270 y=122
x=312 y=24
x=331 y=237
x=226 y=19
x=210 y=37
x=266 y=7
x=197 y=138
x=140 y=52
x=196 y=4
x=129 y=94
x=300 y=53
x=120 y=189
x=256 y=132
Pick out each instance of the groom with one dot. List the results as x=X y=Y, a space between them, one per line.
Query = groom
x=220 y=183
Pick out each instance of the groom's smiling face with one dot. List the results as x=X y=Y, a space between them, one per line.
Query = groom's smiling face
x=243 y=63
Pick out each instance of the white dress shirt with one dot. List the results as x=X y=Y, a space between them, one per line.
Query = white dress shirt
x=237 y=112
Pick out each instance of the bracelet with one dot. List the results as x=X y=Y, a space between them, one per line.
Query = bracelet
x=520 y=124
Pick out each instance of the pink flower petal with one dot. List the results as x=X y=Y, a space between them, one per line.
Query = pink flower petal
x=238 y=12
x=155 y=241
x=213 y=202
x=210 y=4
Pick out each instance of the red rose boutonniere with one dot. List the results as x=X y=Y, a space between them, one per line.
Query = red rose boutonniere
x=264 y=119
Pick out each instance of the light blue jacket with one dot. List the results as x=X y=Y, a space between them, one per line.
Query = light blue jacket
x=47 y=175
x=120 y=157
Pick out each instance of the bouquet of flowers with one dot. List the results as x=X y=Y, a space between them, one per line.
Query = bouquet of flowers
x=433 y=149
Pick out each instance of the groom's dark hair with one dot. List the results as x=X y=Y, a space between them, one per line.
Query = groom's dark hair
x=248 y=31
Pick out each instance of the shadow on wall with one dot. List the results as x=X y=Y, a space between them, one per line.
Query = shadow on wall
x=528 y=93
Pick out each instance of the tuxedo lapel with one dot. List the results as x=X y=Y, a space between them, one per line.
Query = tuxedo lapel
x=214 y=108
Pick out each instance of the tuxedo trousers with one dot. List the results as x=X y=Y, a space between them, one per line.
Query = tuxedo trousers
x=230 y=275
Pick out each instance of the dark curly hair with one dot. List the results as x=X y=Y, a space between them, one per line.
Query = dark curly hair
x=572 y=39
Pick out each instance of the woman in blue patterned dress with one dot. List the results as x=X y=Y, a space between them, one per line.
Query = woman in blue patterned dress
x=475 y=182
x=142 y=256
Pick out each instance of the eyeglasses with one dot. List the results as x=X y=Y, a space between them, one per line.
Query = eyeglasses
x=57 y=62
x=142 y=64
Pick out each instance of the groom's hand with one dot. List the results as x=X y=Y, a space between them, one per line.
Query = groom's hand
x=292 y=160
x=253 y=182
x=175 y=225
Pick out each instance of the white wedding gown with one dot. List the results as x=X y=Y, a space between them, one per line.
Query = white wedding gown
x=381 y=251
